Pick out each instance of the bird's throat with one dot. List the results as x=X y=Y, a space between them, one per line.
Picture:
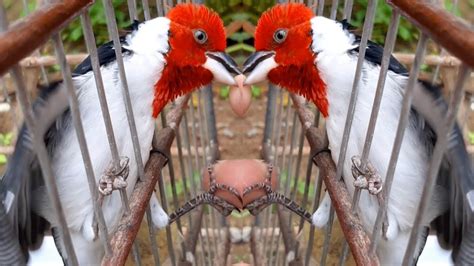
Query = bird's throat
x=304 y=80
x=176 y=81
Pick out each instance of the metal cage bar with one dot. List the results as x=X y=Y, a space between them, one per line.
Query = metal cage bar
x=197 y=141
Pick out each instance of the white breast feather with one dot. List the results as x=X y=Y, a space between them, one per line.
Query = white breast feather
x=337 y=68
x=143 y=69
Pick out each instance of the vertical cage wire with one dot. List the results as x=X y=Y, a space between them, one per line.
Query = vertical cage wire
x=367 y=29
x=132 y=10
x=320 y=7
x=274 y=156
x=205 y=113
x=44 y=74
x=146 y=9
x=403 y=122
x=438 y=153
x=348 y=4
x=79 y=129
x=202 y=142
x=164 y=202
x=443 y=51
x=388 y=49
x=148 y=214
x=40 y=149
x=205 y=241
x=334 y=6
x=280 y=163
x=287 y=166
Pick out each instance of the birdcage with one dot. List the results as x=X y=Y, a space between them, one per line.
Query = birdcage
x=186 y=142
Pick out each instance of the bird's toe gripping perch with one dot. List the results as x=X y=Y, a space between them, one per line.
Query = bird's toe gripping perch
x=369 y=179
x=239 y=185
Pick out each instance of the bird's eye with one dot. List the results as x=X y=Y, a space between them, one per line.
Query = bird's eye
x=200 y=36
x=280 y=35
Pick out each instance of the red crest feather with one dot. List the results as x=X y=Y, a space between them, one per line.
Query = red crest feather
x=296 y=71
x=183 y=71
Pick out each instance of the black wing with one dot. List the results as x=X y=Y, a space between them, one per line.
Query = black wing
x=455 y=227
x=373 y=52
x=106 y=52
x=23 y=174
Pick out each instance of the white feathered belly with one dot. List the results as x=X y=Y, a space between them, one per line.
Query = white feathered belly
x=411 y=168
x=70 y=172
x=68 y=163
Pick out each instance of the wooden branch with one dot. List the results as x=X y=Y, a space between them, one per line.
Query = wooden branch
x=431 y=60
x=443 y=27
x=49 y=60
x=354 y=232
x=127 y=230
x=404 y=58
x=23 y=37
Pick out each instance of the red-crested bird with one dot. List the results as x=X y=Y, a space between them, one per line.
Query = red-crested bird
x=164 y=58
x=316 y=57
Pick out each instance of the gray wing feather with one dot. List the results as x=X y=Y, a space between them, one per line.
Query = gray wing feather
x=23 y=174
x=454 y=226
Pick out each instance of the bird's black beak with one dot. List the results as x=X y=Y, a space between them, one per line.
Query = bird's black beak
x=258 y=65
x=222 y=67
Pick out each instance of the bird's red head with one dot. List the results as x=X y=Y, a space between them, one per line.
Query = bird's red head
x=283 y=43
x=197 y=42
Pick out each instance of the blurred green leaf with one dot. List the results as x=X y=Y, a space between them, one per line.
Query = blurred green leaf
x=471 y=138
x=224 y=92
x=3 y=159
x=256 y=91
x=240 y=47
x=73 y=34
x=406 y=31
x=240 y=36
x=6 y=139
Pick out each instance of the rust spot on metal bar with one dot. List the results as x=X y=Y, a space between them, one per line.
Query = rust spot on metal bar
x=34 y=30
x=356 y=237
x=443 y=27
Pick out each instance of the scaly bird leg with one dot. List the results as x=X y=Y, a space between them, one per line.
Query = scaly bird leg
x=208 y=198
x=371 y=180
x=205 y=198
x=214 y=186
x=258 y=205
x=266 y=185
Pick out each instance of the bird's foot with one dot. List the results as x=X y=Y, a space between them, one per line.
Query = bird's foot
x=367 y=178
x=114 y=179
x=214 y=186
x=208 y=197
x=266 y=185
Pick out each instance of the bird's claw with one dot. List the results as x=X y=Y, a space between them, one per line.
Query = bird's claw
x=267 y=185
x=367 y=178
x=214 y=186
x=114 y=179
